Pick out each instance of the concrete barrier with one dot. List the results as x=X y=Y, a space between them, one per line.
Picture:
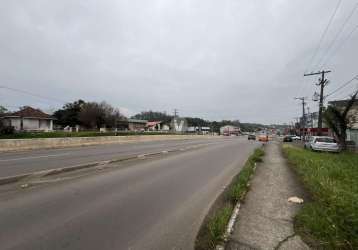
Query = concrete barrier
x=46 y=143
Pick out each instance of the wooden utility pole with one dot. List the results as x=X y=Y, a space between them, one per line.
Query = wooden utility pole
x=322 y=83
x=303 y=123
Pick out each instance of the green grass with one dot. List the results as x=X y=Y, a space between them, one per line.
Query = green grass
x=213 y=229
x=62 y=134
x=330 y=221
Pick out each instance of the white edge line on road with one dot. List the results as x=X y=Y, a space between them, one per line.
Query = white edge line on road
x=33 y=157
x=230 y=227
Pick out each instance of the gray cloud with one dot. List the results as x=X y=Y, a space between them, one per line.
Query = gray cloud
x=214 y=59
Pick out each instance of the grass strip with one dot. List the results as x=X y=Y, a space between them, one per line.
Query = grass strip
x=330 y=221
x=214 y=226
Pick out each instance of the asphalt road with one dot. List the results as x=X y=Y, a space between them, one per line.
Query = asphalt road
x=153 y=204
x=14 y=163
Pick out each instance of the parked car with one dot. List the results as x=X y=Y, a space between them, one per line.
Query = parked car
x=287 y=138
x=295 y=137
x=263 y=138
x=251 y=137
x=322 y=143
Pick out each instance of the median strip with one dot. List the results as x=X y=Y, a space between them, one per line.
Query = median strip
x=218 y=224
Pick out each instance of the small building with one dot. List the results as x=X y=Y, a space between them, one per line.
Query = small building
x=28 y=119
x=229 y=130
x=137 y=125
x=199 y=130
x=352 y=131
x=154 y=126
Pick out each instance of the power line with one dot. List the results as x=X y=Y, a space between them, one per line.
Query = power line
x=343 y=42
x=32 y=94
x=338 y=34
x=324 y=34
x=342 y=86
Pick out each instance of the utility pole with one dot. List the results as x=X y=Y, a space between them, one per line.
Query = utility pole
x=322 y=83
x=175 y=113
x=303 y=123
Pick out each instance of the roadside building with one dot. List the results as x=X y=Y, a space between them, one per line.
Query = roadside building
x=28 y=119
x=352 y=131
x=137 y=125
x=230 y=130
x=154 y=126
x=311 y=125
x=199 y=130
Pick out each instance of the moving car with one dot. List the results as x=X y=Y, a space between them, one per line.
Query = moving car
x=251 y=137
x=322 y=143
x=263 y=138
x=287 y=138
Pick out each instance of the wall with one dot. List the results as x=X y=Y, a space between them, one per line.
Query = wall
x=31 y=124
x=28 y=144
x=352 y=135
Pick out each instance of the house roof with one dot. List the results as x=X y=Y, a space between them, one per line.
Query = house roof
x=342 y=102
x=29 y=112
x=154 y=123
x=137 y=121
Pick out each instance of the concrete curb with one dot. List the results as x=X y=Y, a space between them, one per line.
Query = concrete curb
x=11 y=179
x=229 y=227
x=15 y=145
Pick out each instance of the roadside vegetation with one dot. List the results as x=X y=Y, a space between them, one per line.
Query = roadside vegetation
x=214 y=226
x=330 y=221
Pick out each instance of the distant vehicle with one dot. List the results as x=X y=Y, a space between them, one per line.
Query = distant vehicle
x=263 y=138
x=287 y=138
x=295 y=137
x=322 y=143
x=251 y=137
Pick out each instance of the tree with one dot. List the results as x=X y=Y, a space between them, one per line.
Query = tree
x=338 y=119
x=153 y=116
x=69 y=114
x=3 y=109
x=97 y=115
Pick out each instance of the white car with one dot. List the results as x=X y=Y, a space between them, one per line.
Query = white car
x=295 y=137
x=322 y=143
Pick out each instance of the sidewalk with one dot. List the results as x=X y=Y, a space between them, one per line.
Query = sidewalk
x=265 y=220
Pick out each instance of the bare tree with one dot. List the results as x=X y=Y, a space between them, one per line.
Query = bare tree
x=97 y=115
x=338 y=119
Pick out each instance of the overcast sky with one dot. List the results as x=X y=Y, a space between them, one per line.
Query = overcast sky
x=223 y=59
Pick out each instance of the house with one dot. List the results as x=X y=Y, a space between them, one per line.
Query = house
x=154 y=126
x=352 y=114
x=352 y=131
x=137 y=125
x=28 y=119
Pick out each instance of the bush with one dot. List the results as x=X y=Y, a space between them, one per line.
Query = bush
x=8 y=130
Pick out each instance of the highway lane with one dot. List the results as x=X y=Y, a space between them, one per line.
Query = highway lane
x=154 y=204
x=14 y=163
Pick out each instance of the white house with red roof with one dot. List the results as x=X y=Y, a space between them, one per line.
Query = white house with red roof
x=28 y=119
